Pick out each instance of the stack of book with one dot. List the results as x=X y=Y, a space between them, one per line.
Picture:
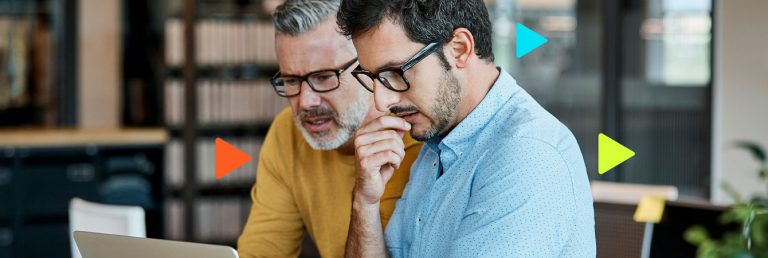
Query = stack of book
x=206 y=156
x=221 y=42
x=225 y=102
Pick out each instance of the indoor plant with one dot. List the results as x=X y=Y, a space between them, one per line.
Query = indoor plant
x=752 y=238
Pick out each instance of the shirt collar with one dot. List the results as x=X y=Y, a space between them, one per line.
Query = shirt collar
x=463 y=135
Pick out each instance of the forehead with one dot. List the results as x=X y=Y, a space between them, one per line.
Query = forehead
x=384 y=44
x=321 y=48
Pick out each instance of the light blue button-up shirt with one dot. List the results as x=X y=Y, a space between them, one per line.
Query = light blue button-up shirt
x=514 y=184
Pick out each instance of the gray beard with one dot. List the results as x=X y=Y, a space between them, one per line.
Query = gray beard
x=346 y=125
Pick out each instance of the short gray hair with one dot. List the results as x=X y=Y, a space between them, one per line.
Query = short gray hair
x=298 y=16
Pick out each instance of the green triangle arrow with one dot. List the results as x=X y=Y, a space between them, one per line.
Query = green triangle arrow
x=610 y=153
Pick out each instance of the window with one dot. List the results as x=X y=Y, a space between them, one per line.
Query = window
x=639 y=71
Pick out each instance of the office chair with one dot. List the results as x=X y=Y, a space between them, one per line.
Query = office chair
x=103 y=218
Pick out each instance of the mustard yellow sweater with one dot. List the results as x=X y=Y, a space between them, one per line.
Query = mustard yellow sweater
x=299 y=189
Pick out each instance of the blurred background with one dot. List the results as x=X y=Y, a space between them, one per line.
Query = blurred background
x=119 y=102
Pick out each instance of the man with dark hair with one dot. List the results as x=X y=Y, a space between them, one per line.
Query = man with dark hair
x=498 y=176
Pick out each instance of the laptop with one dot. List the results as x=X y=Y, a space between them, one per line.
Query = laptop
x=97 y=245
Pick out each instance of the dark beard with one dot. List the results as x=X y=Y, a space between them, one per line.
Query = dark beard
x=443 y=108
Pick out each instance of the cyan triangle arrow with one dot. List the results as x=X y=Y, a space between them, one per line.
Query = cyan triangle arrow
x=527 y=40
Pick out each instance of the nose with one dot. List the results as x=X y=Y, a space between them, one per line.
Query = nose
x=308 y=98
x=383 y=97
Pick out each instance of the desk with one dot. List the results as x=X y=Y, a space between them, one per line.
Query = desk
x=73 y=137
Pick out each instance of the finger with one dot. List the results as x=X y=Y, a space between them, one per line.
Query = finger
x=365 y=139
x=387 y=171
x=393 y=145
x=383 y=123
x=394 y=159
x=373 y=164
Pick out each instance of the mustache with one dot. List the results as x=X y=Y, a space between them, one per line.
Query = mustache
x=320 y=111
x=405 y=109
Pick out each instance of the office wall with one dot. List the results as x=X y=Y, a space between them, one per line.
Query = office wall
x=98 y=29
x=740 y=101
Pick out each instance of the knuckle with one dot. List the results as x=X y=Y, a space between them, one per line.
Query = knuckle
x=362 y=150
x=382 y=155
x=365 y=162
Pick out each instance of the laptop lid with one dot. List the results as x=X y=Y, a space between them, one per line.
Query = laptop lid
x=98 y=245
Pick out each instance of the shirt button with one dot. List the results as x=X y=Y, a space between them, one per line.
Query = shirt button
x=434 y=164
x=418 y=220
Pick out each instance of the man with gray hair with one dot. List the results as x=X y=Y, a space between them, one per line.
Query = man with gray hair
x=306 y=170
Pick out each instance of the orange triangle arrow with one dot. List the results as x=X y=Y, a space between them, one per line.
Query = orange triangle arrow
x=228 y=158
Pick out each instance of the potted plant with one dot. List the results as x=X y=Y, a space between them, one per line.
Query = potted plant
x=751 y=241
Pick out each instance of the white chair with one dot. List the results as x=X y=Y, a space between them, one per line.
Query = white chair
x=103 y=218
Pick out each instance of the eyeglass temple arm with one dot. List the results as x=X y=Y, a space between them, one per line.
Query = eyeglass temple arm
x=349 y=65
x=420 y=55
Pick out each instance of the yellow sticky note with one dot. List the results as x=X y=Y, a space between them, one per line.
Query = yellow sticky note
x=649 y=209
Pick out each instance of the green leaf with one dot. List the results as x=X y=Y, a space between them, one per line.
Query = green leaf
x=736 y=214
x=755 y=149
x=760 y=231
x=696 y=235
x=747 y=229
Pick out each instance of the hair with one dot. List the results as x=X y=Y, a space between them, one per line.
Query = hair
x=424 y=21
x=295 y=17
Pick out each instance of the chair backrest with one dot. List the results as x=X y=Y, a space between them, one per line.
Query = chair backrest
x=103 y=218
x=618 y=235
x=631 y=194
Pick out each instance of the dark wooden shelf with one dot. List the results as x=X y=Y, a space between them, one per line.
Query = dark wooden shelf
x=11 y=9
x=256 y=129
x=244 y=71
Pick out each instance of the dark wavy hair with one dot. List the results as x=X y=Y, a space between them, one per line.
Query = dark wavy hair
x=424 y=21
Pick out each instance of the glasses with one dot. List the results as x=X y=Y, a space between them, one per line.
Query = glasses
x=393 y=77
x=319 y=81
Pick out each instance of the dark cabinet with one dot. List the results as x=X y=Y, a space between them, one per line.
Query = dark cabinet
x=36 y=185
x=50 y=179
x=6 y=239
x=6 y=177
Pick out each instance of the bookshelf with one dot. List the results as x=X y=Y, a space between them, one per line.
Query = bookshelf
x=37 y=57
x=218 y=56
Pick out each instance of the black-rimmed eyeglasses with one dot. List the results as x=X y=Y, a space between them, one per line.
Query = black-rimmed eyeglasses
x=393 y=77
x=320 y=81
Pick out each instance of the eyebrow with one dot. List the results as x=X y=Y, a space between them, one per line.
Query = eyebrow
x=295 y=75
